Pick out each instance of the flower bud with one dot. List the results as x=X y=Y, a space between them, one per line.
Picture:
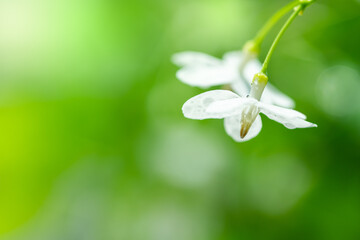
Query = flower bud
x=250 y=51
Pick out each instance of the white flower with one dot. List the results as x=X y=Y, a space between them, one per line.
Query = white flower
x=236 y=68
x=241 y=114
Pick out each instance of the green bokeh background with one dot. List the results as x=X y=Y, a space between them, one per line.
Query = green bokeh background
x=93 y=144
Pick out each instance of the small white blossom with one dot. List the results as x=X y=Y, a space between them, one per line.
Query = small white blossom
x=236 y=68
x=241 y=114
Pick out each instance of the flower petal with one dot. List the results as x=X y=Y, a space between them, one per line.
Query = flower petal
x=205 y=76
x=272 y=95
x=233 y=59
x=242 y=83
x=288 y=117
x=251 y=68
x=228 y=107
x=240 y=86
x=189 y=58
x=233 y=126
x=196 y=107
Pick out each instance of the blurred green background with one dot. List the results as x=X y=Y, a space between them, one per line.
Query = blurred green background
x=93 y=144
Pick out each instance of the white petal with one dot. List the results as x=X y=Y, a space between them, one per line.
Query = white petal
x=228 y=107
x=206 y=76
x=272 y=95
x=233 y=59
x=279 y=111
x=194 y=58
x=240 y=86
x=288 y=117
x=196 y=107
x=251 y=68
x=232 y=128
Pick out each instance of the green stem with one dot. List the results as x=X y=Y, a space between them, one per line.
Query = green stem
x=280 y=34
x=272 y=21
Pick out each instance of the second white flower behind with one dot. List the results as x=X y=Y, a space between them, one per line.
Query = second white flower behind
x=236 y=68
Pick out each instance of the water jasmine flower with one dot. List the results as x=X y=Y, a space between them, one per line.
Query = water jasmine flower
x=241 y=114
x=240 y=111
x=236 y=68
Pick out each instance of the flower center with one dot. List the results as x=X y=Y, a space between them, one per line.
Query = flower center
x=248 y=116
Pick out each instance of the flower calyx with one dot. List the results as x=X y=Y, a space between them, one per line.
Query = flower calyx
x=258 y=85
x=250 y=52
x=304 y=4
